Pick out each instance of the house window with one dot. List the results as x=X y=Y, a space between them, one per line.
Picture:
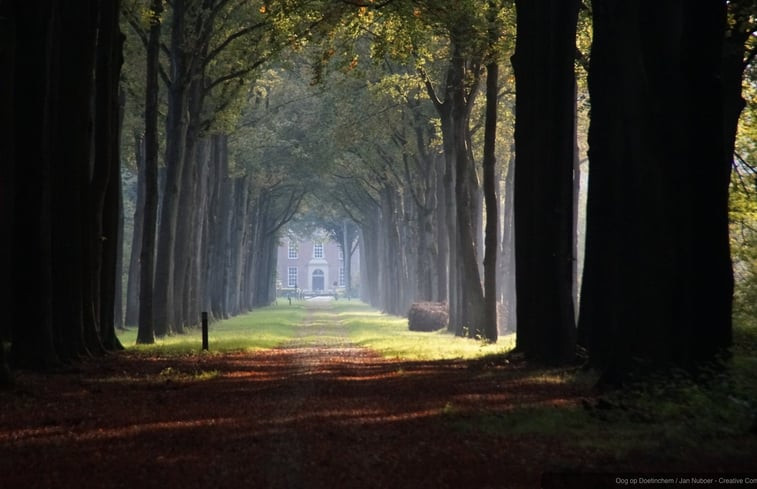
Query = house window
x=318 y=250
x=292 y=277
x=293 y=250
x=341 y=276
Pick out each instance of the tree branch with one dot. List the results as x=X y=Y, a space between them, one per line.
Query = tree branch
x=218 y=49
x=430 y=89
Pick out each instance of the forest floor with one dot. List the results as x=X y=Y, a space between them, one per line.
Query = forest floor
x=319 y=412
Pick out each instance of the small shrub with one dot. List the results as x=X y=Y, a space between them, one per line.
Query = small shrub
x=427 y=316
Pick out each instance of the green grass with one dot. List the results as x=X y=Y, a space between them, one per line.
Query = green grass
x=338 y=322
x=389 y=336
x=263 y=328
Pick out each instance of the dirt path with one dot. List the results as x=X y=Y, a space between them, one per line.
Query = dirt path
x=319 y=347
x=317 y=412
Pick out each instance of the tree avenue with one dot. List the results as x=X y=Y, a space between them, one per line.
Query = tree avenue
x=170 y=146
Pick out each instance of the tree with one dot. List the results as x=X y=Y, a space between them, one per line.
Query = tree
x=107 y=202
x=32 y=333
x=490 y=192
x=650 y=298
x=7 y=137
x=62 y=303
x=146 y=328
x=544 y=152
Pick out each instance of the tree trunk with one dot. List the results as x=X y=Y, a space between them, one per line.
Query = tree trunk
x=107 y=146
x=76 y=265
x=490 y=329
x=649 y=298
x=197 y=279
x=450 y=213
x=706 y=311
x=132 y=285
x=176 y=139
x=544 y=73
x=442 y=235
x=119 y=305
x=469 y=279
x=33 y=113
x=507 y=283
x=146 y=331
x=7 y=183
x=238 y=243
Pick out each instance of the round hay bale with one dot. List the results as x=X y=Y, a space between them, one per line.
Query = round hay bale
x=427 y=316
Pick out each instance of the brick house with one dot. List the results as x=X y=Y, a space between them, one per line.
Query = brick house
x=312 y=265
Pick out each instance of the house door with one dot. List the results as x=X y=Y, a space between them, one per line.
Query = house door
x=318 y=280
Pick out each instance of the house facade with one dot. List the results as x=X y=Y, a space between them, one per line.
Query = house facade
x=312 y=265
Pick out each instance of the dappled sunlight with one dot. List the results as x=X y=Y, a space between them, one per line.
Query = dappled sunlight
x=57 y=434
x=319 y=402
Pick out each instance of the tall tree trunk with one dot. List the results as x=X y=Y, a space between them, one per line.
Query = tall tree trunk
x=107 y=145
x=120 y=305
x=576 y=206
x=33 y=114
x=369 y=260
x=490 y=328
x=544 y=73
x=450 y=213
x=7 y=183
x=185 y=229
x=76 y=323
x=469 y=280
x=706 y=311
x=132 y=284
x=197 y=281
x=442 y=235
x=507 y=282
x=146 y=331
x=647 y=295
x=238 y=243
x=176 y=139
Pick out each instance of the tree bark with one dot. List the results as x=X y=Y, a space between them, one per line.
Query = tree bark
x=107 y=145
x=7 y=183
x=544 y=73
x=442 y=235
x=469 y=279
x=132 y=284
x=176 y=138
x=146 y=330
x=77 y=266
x=491 y=241
x=33 y=114
x=656 y=290
x=507 y=284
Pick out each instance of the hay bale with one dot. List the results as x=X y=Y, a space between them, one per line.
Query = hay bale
x=427 y=316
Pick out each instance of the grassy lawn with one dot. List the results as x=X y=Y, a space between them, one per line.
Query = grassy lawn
x=351 y=321
x=389 y=336
x=263 y=328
